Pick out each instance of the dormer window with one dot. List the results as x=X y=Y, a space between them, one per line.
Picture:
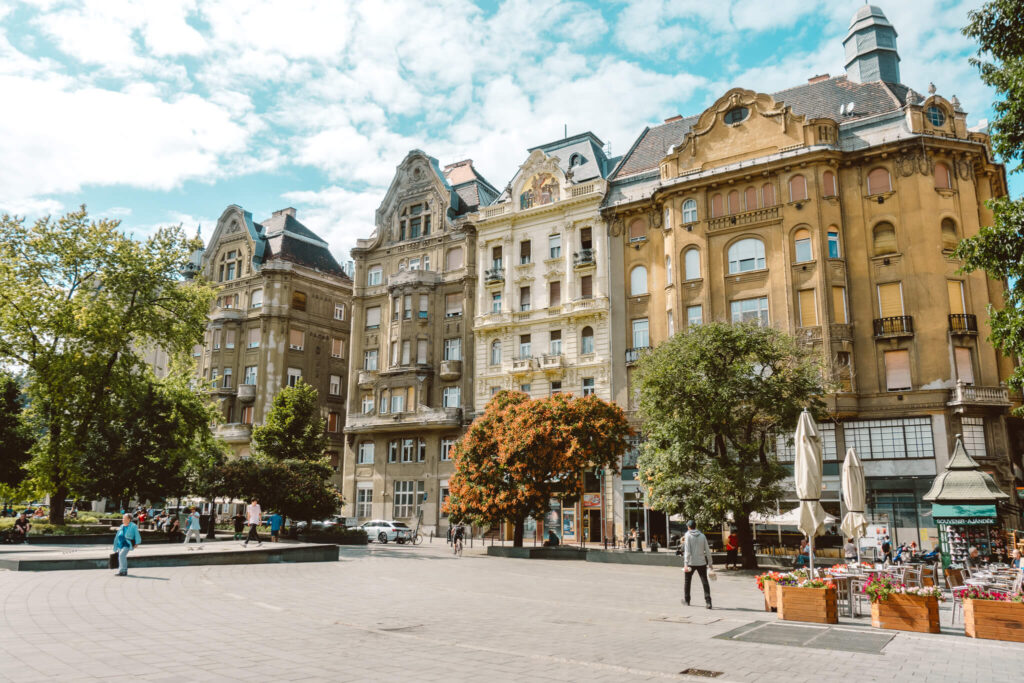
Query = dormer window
x=575 y=160
x=414 y=222
x=936 y=116
x=736 y=115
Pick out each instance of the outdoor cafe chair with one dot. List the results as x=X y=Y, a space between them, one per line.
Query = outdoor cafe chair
x=912 y=576
x=955 y=580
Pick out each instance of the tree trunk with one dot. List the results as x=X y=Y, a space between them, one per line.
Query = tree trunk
x=211 y=530
x=745 y=534
x=517 y=533
x=60 y=492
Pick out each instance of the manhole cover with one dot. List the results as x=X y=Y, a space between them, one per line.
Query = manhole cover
x=703 y=673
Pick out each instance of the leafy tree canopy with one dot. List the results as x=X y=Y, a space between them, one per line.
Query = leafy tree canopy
x=712 y=401
x=16 y=437
x=294 y=428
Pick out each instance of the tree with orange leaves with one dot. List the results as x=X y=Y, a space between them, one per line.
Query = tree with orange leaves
x=522 y=452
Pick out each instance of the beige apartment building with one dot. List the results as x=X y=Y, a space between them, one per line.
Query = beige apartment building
x=830 y=210
x=282 y=312
x=411 y=377
x=542 y=306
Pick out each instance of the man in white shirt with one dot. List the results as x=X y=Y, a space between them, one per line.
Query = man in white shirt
x=253 y=514
x=850 y=551
x=192 y=527
x=696 y=558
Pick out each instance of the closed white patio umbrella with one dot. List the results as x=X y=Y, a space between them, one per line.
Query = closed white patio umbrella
x=855 y=524
x=807 y=474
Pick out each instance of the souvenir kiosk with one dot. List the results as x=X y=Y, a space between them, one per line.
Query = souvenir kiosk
x=963 y=502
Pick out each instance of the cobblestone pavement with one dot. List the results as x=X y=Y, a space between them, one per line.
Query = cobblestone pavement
x=399 y=613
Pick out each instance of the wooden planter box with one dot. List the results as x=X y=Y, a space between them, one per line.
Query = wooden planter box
x=994 y=620
x=771 y=602
x=907 y=613
x=807 y=604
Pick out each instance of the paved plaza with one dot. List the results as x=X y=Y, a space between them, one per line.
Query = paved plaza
x=399 y=613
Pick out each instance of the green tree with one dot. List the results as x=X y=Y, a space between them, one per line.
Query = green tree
x=712 y=401
x=999 y=249
x=78 y=298
x=16 y=438
x=521 y=453
x=294 y=428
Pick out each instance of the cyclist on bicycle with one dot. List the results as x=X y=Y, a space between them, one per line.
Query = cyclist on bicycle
x=458 y=535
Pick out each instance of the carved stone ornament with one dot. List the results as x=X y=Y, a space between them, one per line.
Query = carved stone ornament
x=965 y=169
x=235 y=227
x=911 y=161
x=616 y=226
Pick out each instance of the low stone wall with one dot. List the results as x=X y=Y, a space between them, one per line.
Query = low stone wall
x=656 y=559
x=539 y=553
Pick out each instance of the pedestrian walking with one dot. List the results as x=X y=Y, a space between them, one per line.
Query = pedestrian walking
x=632 y=539
x=126 y=539
x=253 y=514
x=696 y=559
x=239 y=520
x=732 y=547
x=276 y=522
x=192 y=527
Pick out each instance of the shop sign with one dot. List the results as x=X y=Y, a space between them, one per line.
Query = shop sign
x=964 y=521
x=591 y=500
x=947 y=512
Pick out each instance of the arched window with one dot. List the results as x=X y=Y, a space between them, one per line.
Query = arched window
x=879 y=181
x=637 y=230
x=691 y=264
x=496 y=352
x=802 y=245
x=734 y=202
x=638 y=281
x=767 y=195
x=668 y=269
x=453 y=259
x=828 y=184
x=587 y=340
x=884 y=239
x=746 y=255
x=950 y=238
x=750 y=197
x=797 y=188
x=943 y=178
x=717 y=206
x=690 y=211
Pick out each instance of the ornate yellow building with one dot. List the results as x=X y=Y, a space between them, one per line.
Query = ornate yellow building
x=829 y=210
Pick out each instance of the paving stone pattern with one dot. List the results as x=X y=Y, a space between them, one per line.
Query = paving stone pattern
x=395 y=614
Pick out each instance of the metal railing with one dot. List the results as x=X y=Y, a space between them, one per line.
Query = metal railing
x=633 y=354
x=963 y=323
x=583 y=257
x=494 y=275
x=895 y=326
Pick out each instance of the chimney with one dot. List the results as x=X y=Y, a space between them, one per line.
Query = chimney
x=285 y=212
x=672 y=119
x=819 y=78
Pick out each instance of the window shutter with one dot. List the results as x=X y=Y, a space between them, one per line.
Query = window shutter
x=555 y=294
x=839 y=304
x=808 y=311
x=956 y=296
x=254 y=336
x=890 y=300
x=964 y=368
x=295 y=338
x=586 y=286
x=373 y=316
x=453 y=304
x=454 y=259
x=897 y=370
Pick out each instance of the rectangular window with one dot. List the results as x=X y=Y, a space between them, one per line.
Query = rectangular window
x=452 y=305
x=450 y=397
x=453 y=349
x=373 y=317
x=294 y=375
x=973 y=429
x=909 y=437
x=364 y=499
x=525 y=388
x=374 y=276
x=408 y=450
x=396 y=306
x=250 y=374
x=406 y=352
x=890 y=300
x=496 y=258
x=586 y=241
x=554 y=293
x=231 y=271
x=524 y=252
x=407 y=307
x=367 y=405
x=227 y=378
x=745 y=310
x=299 y=301
x=496 y=302
x=365 y=456
x=197 y=350
x=955 y=289
x=803 y=250
x=844 y=371
x=964 y=367
x=555 y=348
x=405 y=498
x=216 y=338
x=256 y=298
x=398 y=403
x=393 y=447
x=414 y=264
x=335 y=385
x=524 y=298
x=421 y=351
x=833 y=244
x=394 y=354
x=839 y=305
x=337 y=347
x=587 y=287
x=588 y=386
x=247 y=415
x=424 y=305
x=671 y=323
x=370 y=359
x=554 y=246
x=897 y=370
x=808 y=309
x=383 y=409
x=495 y=390
x=641 y=334
x=556 y=386
x=229 y=338
x=254 y=337
x=446 y=449
x=339 y=311
x=333 y=422
x=524 y=346
x=695 y=315
x=421 y=451
x=296 y=339
x=785 y=450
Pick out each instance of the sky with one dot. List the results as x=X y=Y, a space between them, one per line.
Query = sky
x=160 y=112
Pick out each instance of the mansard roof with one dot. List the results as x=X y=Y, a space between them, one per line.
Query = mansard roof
x=472 y=188
x=289 y=240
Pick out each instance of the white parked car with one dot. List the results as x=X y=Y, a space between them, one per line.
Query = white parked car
x=382 y=531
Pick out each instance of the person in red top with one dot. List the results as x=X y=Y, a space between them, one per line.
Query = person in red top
x=732 y=546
